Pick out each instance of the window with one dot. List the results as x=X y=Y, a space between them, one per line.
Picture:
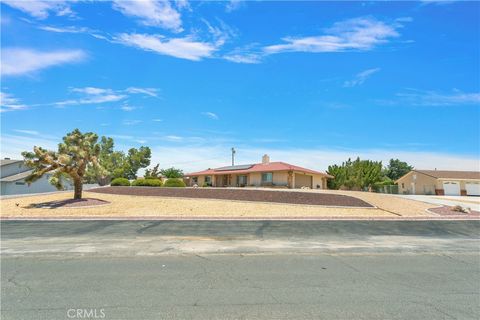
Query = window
x=195 y=180
x=267 y=177
x=242 y=180
x=208 y=179
x=403 y=185
x=19 y=183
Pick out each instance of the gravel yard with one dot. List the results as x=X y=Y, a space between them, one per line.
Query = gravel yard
x=308 y=198
x=168 y=207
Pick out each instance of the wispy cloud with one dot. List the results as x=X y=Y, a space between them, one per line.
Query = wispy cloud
x=233 y=5
x=30 y=132
x=157 y=120
x=211 y=115
x=68 y=29
x=184 y=48
x=127 y=108
x=360 y=34
x=151 y=13
x=21 y=61
x=433 y=98
x=360 y=78
x=94 y=95
x=147 y=91
x=10 y=103
x=41 y=9
x=131 y=122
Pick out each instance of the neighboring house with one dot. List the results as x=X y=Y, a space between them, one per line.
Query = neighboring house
x=440 y=182
x=265 y=174
x=12 y=179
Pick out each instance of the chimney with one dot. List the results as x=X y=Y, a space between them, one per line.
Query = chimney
x=265 y=159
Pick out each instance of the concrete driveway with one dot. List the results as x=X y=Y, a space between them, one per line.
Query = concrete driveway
x=464 y=201
x=241 y=269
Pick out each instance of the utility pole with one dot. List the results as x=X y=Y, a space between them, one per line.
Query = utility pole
x=233 y=156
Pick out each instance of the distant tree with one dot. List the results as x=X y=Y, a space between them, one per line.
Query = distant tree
x=172 y=173
x=397 y=169
x=77 y=151
x=135 y=160
x=357 y=174
x=153 y=173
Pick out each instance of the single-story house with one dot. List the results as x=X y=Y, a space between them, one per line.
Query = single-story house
x=12 y=179
x=440 y=182
x=264 y=174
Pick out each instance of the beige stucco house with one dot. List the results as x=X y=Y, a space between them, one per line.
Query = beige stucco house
x=440 y=182
x=264 y=174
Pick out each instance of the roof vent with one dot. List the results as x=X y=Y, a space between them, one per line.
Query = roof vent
x=265 y=159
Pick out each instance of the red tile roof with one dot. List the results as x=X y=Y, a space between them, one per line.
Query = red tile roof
x=259 y=167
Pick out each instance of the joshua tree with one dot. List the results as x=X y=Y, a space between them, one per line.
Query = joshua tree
x=76 y=152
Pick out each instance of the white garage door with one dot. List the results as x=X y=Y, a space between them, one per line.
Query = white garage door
x=451 y=188
x=473 y=188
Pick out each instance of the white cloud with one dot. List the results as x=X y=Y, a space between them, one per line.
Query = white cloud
x=361 y=77
x=93 y=95
x=173 y=138
x=10 y=103
x=355 y=34
x=21 y=61
x=432 y=98
x=249 y=58
x=69 y=29
x=92 y=90
x=147 y=91
x=41 y=9
x=127 y=108
x=233 y=5
x=151 y=13
x=184 y=48
x=211 y=115
x=30 y=132
x=157 y=120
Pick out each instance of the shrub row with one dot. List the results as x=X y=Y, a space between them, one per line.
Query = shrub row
x=173 y=183
x=147 y=183
x=120 y=182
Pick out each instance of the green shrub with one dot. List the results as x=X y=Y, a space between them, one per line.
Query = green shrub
x=206 y=184
x=120 y=182
x=147 y=183
x=174 y=183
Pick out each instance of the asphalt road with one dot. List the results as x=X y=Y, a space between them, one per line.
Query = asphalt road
x=240 y=270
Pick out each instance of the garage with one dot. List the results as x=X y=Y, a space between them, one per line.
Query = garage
x=303 y=180
x=472 y=188
x=451 y=188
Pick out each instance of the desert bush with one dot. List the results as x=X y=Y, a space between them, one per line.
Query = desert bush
x=147 y=183
x=120 y=182
x=174 y=183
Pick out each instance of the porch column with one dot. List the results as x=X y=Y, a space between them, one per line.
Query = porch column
x=290 y=182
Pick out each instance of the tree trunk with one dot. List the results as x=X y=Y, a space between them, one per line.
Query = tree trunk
x=78 y=185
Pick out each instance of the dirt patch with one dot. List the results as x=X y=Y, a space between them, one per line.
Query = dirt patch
x=448 y=211
x=69 y=203
x=307 y=198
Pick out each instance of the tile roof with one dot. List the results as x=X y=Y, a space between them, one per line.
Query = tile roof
x=445 y=174
x=258 y=167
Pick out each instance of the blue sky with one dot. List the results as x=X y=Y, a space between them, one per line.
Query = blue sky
x=311 y=83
